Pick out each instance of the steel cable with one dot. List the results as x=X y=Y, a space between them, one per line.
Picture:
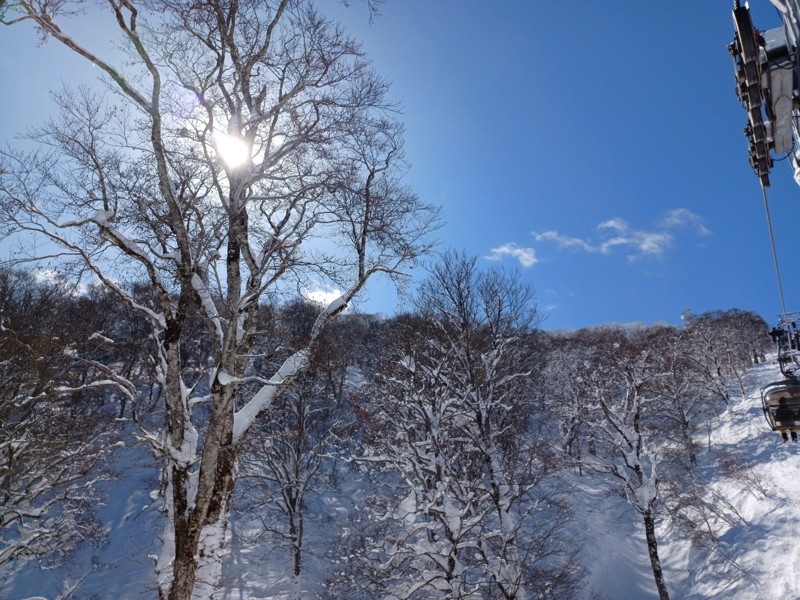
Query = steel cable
x=774 y=251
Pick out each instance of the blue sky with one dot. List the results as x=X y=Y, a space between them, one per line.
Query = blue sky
x=597 y=147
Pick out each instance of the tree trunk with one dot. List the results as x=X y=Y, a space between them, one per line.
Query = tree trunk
x=199 y=503
x=688 y=442
x=298 y=547
x=184 y=569
x=652 y=549
x=199 y=544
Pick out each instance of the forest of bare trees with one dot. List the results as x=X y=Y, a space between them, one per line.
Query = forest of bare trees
x=452 y=427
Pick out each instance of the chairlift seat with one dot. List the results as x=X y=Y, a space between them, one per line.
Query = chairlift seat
x=781 y=403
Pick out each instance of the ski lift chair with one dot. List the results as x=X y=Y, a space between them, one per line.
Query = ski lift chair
x=789 y=362
x=781 y=403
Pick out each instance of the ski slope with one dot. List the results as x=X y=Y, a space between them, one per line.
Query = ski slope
x=759 y=553
x=759 y=557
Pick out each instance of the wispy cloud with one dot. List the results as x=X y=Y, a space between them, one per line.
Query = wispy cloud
x=683 y=218
x=563 y=241
x=617 y=233
x=525 y=256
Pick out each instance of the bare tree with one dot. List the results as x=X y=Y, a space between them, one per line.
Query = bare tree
x=453 y=420
x=565 y=387
x=248 y=149
x=636 y=400
x=723 y=345
x=629 y=451
x=292 y=457
x=752 y=340
x=50 y=442
x=686 y=406
x=282 y=466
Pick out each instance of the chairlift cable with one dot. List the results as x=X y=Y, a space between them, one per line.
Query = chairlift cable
x=774 y=251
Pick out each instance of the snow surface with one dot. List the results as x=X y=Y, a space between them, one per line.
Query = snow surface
x=121 y=569
x=763 y=553
x=763 y=549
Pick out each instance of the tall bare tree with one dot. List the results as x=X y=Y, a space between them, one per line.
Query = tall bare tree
x=246 y=149
x=452 y=417
x=292 y=458
x=628 y=443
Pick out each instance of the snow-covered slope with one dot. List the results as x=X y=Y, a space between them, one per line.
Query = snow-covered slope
x=766 y=493
x=120 y=569
x=759 y=556
x=759 y=551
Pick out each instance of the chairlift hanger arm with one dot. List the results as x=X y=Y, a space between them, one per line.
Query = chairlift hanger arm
x=767 y=77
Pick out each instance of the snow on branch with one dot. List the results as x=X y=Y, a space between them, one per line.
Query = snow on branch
x=243 y=419
x=209 y=308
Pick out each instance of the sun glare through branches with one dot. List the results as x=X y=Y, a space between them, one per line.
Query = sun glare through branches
x=232 y=150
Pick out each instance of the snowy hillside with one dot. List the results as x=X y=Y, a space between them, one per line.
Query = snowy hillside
x=123 y=567
x=757 y=559
x=762 y=549
x=766 y=546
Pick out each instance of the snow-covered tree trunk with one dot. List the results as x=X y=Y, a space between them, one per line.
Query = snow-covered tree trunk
x=652 y=549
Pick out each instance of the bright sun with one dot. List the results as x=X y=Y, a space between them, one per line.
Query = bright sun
x=232 y=150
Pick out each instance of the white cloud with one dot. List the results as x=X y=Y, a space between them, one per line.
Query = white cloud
x=48 y=276
x=52 y=277
x=323 y=297
x=641 y=242
x=653 y=243
x=607 y=246
x=616 y=224
x=563 y=241
x=525 y=256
